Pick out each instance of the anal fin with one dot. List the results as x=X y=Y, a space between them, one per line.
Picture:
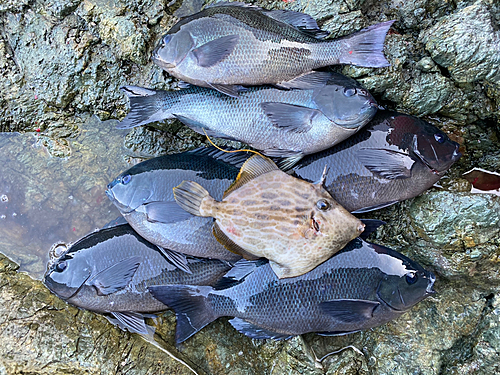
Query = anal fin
x=230 y=244
x=256 y=332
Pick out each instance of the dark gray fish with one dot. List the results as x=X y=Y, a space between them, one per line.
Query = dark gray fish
x=281 y=123
x=238 y=44
x=145 y=198
x=109 y=271
x=363 y=286
x=395 y=157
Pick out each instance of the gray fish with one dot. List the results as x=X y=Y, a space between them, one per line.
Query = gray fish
x=363 y=286
x=395 y=157
x=233 y=44
x=109 y=271
x=145 y=198
x=280 y=123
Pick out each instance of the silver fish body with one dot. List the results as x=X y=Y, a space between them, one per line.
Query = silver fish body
x=144 y=196
x=109 y=271
x=363 y=286
x=395 y=157
x=281 y=123
x=245 y=45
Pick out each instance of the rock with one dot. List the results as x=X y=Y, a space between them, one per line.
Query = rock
x=466 y=44
x=64 y=60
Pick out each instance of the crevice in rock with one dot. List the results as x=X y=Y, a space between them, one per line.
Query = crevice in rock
x=463 y=348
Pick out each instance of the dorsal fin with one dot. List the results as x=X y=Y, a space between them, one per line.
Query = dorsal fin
x=255 y=166
x=235 y=159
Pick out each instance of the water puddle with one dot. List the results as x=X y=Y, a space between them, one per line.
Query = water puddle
x=45 y=200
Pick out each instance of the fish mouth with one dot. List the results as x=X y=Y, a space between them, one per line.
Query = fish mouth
x=160 y=62
x=358 y=120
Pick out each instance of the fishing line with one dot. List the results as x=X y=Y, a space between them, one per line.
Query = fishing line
x=220 y=149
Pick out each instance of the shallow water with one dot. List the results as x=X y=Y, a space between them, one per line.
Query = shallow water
x=46 y=200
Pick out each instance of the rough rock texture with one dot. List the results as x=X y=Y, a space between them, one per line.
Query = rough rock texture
x=61 y=60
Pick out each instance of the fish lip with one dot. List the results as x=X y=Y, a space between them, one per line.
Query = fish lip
x=160 y=62
x=365 y=114
x=123 y=209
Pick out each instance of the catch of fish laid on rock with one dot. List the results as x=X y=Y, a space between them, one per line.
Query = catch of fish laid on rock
x=144 y=196
x=363 y=286
x=232 y=44
x=280 y=123
x=267 y=213
x=395 y=157
x=109 y=271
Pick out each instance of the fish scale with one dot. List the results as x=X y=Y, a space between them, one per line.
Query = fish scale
x=361 y=187
x=296 y=232
x=102 y=250
x=278 y=122
x=363 y=286
x=233 y=44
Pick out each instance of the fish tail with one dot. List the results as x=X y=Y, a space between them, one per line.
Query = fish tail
x=366 y=47
x=191 y=306
x=189 y=195
x=144 y=107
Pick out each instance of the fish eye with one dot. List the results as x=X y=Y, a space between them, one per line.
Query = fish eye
x=411 y=278
x=349 y=92
x=440 y=138
x=126 y=179
x=323 y=205
x=61 y=266
x=165 y=40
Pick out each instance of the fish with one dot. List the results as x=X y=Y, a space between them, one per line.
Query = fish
x=280 y=123
x=395 y=157
x=268 y=213
x=109 y=272
x=232 y=44
x=143 y=195
x=363 y=286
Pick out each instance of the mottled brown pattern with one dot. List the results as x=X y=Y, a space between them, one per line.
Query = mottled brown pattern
x=275 y=216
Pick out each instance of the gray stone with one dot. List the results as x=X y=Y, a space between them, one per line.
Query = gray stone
x=61 y=60
x=466 y=44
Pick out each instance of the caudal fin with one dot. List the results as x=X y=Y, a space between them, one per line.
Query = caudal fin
x=366 y=47
x=191 y=306
x=189 y=196
x=144 y=107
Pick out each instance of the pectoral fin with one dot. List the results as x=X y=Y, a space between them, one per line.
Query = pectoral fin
x=349 y=310
x=256 y=332
x=216 y=50
x=116 y=277
x=165 y=212
x=385 y=163
x=290 y=117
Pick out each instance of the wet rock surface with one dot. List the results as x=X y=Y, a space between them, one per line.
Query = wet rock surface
x=62 y=60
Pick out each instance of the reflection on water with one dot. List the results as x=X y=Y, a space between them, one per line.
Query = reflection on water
x=46 y=200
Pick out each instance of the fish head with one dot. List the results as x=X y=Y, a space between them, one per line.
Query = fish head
x=172 y=49
x=425 y=143
x=330 y=219
x=127 y=192
x=345 y=102
x=66 y=276
x=407 y=286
